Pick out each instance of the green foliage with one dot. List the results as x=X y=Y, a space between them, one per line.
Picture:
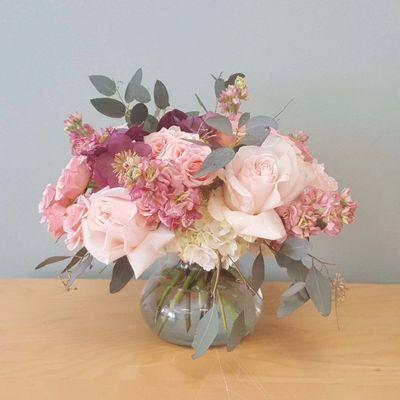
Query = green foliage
x=109 y=107
x=121 y=275
x=103 y=84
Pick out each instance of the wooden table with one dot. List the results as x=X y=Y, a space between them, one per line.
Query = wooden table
x=88 y=344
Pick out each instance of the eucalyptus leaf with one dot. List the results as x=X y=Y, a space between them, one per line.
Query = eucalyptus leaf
x=292 y=303
x=295 y=248
x=238 y=332
x=192 y=113
x=258 y=271
x=243 y=119
x=79 y=270
x=75 y=259
x=161 y=97
x=293 y=289
x=217 y=159
x=296 y=270
x=150 y=124
x=51 y=260
x=133 y=84
x=138 y=113
x=103 y=84
x=206 y=332
x=219 y=86
x=257 y=130
x=249 y=308
x=220 y=123
x=142 y=94
x=109 y=107
x=201 y=103
x=319 y=289
x=232 y=78
x=121 y=275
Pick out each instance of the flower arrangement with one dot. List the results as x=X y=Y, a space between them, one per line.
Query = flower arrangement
x=208 y=188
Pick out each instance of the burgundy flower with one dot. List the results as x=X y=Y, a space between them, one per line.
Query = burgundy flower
x=118 y=141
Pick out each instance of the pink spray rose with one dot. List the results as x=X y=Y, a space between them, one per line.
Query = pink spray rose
x=256 y=181
x=52 y=211
x=74 y=179
x=110 y=231
x=72 y=223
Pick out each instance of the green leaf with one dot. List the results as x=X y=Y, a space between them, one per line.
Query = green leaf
x=238 y=332
x=103 y=84
x=293 y=289
x=243 y=119
x=217 y=159
x=319 y=289
x=206 y=332
x=51 y=260
x=258 y=271
x=121 y=275
x=296 y=270
x=257 y=130
x=192 y=113
x=138 y=113
x=250 y=315
x=232 y=78
x=109 y=107
x=201 y=103
x=150 y=124
x=133 y=84
x=142 y=94
x=75 y=259
x=79 y=270
x=161 y=98
x=295 y=248
x=292 y=303
x=219 y=86
x=220 y=123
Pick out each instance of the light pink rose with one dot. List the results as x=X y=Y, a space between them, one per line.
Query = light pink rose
x=110 y=231
x=159 y=141
x=320 y=179
x=72 y=223
x=52 y=211
x=74 y=179
x=191 y=163
x=256 y=181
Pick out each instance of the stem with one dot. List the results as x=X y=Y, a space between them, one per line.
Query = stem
x=221 y=306
x=167 y=291
x=188 y=320
x=216 y=280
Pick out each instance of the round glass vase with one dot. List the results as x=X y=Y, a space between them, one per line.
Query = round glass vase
x=176 y=298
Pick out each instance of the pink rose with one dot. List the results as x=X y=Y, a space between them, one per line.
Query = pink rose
x=159 y=141
x=52 y=211
x=74 y=179
x=191 y=163
x=72 y=223
x=110 y=231
x=256 y=181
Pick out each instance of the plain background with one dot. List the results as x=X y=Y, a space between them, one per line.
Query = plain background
x=339 y=59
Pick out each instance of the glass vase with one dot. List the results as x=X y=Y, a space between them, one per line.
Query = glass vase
x=176 y=298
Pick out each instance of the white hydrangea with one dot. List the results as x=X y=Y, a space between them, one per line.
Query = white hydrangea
x=210 y=241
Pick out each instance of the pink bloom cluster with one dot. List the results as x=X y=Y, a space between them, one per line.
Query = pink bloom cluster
x=83 y=137
x=230 y=98
x=300 y=140
x=159 y=192
x=316 y=211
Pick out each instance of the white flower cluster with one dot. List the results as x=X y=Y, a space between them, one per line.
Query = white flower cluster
x=210 y=242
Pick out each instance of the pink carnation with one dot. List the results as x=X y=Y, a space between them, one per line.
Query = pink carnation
x=74 y=179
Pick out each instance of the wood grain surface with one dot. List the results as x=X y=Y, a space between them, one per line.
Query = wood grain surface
x=89 y=344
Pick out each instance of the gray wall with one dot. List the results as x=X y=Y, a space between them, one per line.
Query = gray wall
x=339 y=59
